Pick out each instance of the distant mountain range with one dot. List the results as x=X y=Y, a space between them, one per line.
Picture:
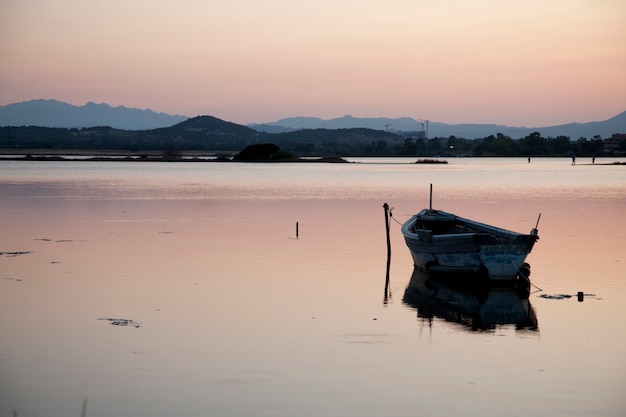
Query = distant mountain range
x=215 y=136
x=605 y=128
x=52 y=113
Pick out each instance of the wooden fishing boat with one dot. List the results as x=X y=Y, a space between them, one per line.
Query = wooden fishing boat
x=442 y=242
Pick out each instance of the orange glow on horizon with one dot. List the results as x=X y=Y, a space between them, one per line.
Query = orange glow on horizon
x=530 y=64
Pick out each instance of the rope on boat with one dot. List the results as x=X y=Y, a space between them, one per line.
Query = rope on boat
x=391 y=216
x=520 y=273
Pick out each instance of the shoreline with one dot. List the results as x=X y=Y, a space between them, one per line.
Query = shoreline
x=84 y=155
x=90 y=157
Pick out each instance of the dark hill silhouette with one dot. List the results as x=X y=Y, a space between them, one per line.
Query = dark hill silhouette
x=210 y=124
x=198 y=133
x=203 y=132
x=353 y=136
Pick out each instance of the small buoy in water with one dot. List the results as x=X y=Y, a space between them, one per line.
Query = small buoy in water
x=581 y=296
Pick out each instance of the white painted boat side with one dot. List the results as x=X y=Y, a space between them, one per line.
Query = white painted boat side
x=465 y=250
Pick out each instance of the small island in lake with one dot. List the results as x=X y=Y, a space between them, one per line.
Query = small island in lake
x=431 y=161
x=270 y=152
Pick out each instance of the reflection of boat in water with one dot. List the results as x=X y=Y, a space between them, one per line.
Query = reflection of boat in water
x=478 y=307
x=442 y=242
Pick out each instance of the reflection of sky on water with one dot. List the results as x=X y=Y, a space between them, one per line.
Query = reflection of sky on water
x=236 y=313
x=462 y=178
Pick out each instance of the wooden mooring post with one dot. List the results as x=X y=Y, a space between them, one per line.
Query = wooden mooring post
x=386 y=207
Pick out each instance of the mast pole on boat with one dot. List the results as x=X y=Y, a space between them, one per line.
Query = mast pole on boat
x=536 y=230
x=431 y=198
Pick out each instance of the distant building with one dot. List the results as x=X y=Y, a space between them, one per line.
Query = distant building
x=614 y=143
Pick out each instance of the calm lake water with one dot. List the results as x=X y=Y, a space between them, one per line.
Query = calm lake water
x=181 y=289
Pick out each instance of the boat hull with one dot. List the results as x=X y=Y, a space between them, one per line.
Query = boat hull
x=473 y=248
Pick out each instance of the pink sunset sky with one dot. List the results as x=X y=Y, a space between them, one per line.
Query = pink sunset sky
x=520 y=63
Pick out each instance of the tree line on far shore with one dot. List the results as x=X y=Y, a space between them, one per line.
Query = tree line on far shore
x=215 y=137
